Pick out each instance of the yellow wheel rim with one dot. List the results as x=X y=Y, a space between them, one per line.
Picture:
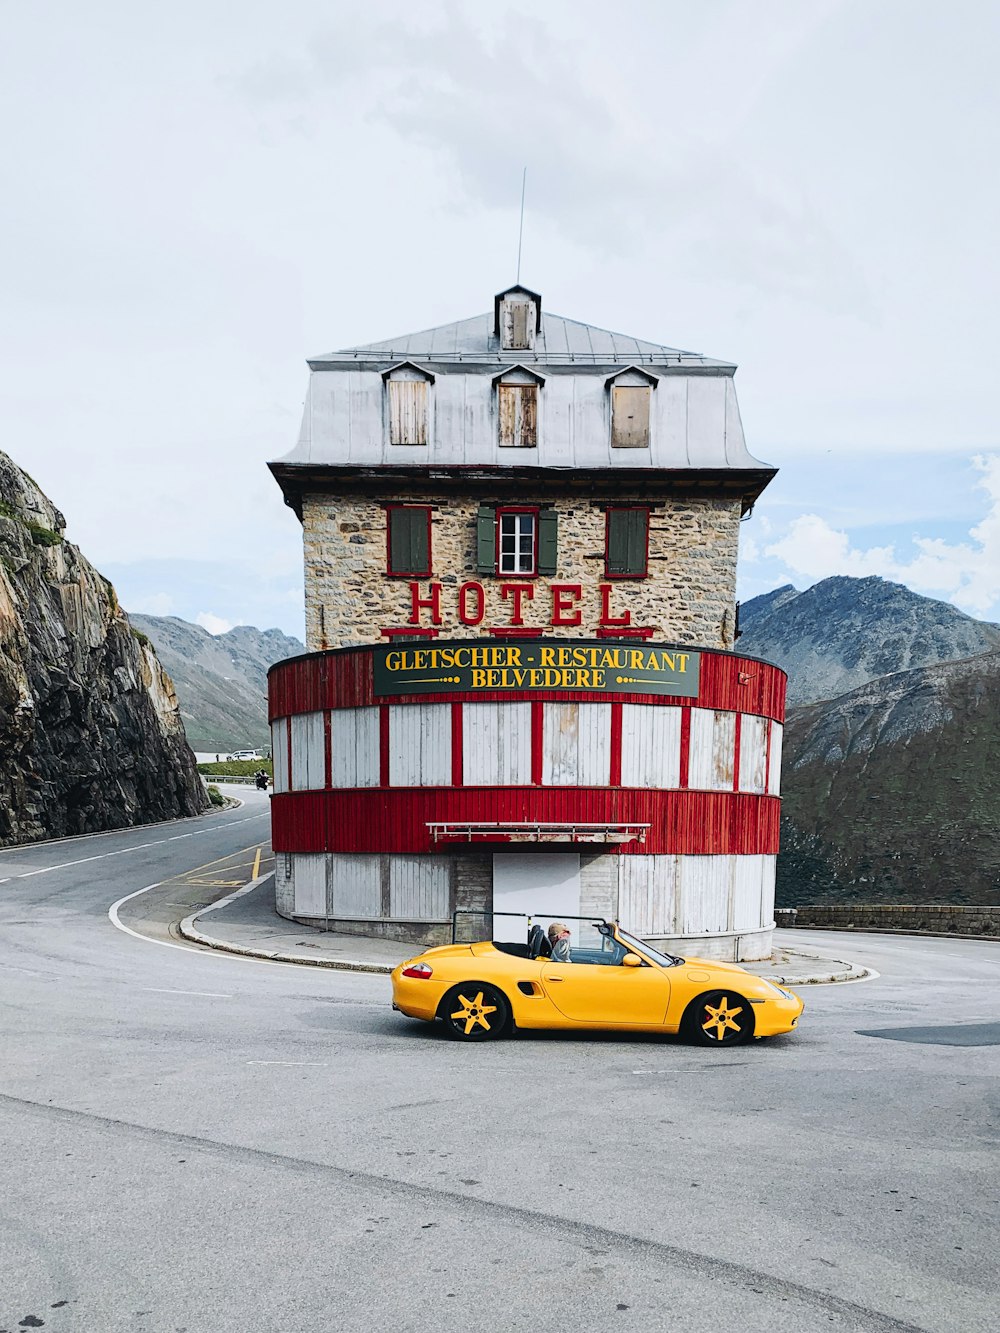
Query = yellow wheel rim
x=722 y=1019
x=473 y=1013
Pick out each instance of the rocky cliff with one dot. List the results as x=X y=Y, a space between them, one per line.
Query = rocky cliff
x=221 y=679
x=844 y=631
x=90 y=734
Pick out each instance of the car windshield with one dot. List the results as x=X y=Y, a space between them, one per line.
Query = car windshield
x=664 y=959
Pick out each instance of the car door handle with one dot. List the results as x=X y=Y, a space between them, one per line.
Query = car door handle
x=557 y=978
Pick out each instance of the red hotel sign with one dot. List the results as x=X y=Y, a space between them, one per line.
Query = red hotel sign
x=565 y=604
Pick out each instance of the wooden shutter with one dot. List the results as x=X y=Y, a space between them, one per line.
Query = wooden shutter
x=408 y=411
x=486 y=540
x=516 y=325
x=548 y=541
x=629 y=417
x=627 y=537
x=409 y=541
x=518 y=405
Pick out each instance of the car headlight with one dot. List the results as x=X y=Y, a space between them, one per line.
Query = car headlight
x=785 y=994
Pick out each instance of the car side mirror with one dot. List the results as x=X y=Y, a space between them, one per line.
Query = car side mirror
x=631 y=960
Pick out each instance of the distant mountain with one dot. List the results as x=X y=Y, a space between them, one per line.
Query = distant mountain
x=888 y=772
x=846 y=631
x=892 y=791
x=221 y=679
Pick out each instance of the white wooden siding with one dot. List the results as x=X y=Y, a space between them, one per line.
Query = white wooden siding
x=309 y=878
x=576 y=745
x=355 y=885
x=308 y=752
x=648 y=897
x=651 y=746
x=420 y=745
x=496 y=744
x=279 y=753
x=419 y=888
x=354 y=743
x=767 y=891
x=713 y=750
x=704 y=893
x=774 y=767
x=748 y=874
x=753 y=753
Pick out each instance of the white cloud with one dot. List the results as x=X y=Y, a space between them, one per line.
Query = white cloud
x=966 y=573
x=214 y=624
x=156 y=604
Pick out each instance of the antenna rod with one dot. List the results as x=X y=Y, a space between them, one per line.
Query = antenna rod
x=520 y=231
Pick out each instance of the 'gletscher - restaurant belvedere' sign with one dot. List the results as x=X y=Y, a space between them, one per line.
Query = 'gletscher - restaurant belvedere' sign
x=468 y=668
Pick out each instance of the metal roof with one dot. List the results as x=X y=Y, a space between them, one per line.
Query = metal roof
x=559 y=341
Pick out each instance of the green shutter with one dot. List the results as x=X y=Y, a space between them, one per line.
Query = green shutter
x=627 y=541
x=617 y=542
x=409 y=542
x=548 y=541
x=486 y=540
x=635 y=559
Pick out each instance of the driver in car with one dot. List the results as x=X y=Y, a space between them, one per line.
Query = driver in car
x=559 y=938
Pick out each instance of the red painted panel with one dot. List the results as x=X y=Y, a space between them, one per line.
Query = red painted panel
x=684 y=775
x=383 y=745
x=537 y=742
x=344 y=679
x=457 y=746
x=615 y=774
x=395 y=820
x=737 y=741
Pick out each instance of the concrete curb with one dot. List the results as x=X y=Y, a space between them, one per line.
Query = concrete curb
x=849 y=972
x=189 y=931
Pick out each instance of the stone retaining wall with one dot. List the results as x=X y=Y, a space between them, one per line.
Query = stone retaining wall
x=941 y=919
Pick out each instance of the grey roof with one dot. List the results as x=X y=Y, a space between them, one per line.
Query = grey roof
x=560 y=341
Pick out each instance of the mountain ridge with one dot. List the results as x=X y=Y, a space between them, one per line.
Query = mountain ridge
x=221 y=679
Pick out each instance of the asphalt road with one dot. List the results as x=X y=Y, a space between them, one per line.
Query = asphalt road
x=197 y=1143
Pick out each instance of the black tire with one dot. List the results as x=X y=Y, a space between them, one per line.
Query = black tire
x=719 y=1018
x=475 y=1011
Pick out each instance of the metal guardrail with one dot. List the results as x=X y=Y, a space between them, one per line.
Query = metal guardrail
x=214 y=779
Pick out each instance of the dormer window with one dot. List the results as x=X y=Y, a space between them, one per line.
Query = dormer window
x=517 y=319
x=408 y=393
x=631 y=396
x=517 y=390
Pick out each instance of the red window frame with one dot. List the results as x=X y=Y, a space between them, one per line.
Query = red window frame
x=407 y=573
x=609 y=510
x=533 y=510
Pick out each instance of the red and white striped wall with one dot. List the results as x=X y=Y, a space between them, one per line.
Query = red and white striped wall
x=374 y=799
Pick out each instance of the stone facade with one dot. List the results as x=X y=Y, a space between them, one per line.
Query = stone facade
x=688 y=598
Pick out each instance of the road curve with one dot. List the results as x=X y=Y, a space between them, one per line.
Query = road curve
x=199 y=1142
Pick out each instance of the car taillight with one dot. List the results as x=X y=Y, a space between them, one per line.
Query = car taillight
x=421 y=970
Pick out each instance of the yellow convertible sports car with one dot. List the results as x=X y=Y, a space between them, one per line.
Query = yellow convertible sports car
x=481 y=991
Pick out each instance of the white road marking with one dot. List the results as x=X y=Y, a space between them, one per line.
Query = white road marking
x=298 y=1064
x=124 y=851
x=204 y=994
x=191 y=952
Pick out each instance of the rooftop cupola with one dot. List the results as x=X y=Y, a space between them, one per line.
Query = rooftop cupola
x=517 y=318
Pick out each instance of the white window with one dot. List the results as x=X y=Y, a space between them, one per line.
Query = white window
x=516 y=533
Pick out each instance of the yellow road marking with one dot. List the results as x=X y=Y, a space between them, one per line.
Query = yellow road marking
x=256 y=865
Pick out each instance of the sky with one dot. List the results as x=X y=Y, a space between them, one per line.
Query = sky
x=199 y=196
